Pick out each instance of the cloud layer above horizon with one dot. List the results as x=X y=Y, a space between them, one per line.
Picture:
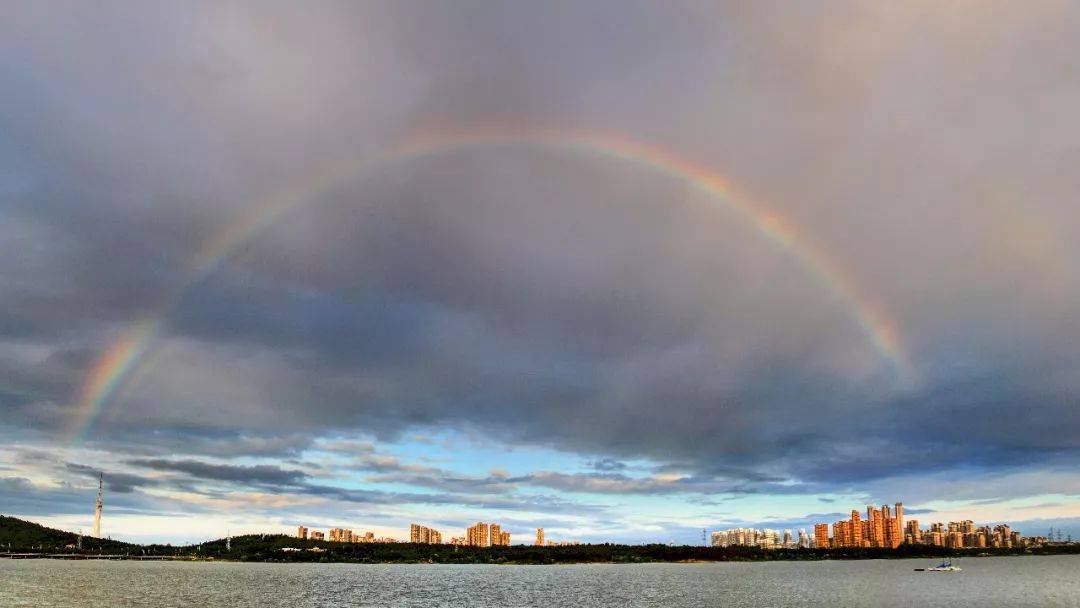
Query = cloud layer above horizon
x=550 y=335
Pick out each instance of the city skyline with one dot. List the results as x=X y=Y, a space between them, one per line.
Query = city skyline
x=621 y=272
x=883 y=527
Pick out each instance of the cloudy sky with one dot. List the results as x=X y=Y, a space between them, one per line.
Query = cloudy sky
x=623 y=270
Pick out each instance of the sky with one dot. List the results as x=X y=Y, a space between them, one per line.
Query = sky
x=623 y=270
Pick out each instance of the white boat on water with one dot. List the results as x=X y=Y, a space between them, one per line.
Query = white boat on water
x=945 y=566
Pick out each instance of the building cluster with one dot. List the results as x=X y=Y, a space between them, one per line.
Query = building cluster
x=765 y=538
x=483 y=535
x=479 y=535
x=882 y=527
x=963 y=534
x=424 y=535
x=340 y=535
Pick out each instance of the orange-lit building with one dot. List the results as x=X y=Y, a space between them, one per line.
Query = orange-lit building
x=880 y=529
x=477 y=535
x=821 y=535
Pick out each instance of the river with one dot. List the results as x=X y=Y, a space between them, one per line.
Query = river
x=984 y=582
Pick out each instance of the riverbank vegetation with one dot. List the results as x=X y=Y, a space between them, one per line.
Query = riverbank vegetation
x=22 y=536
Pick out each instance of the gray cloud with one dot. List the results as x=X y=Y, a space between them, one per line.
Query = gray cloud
x=121 y=483
x=253 y=474
x=607 y=464
x=550 y=297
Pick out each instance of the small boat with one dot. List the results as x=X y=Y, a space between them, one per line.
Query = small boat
x=945 y=566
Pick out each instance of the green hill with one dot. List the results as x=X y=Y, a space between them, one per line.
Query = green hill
x=19 y=535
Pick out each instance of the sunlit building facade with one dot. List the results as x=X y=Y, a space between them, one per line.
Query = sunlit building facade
x=747 y=537
x=424 y=535
x=477 y=535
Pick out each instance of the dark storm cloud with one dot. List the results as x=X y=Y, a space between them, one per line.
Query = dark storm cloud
x=553 y=298
x=524 y=502
x=392 y=471
x=203 y=440
x=253 y=474
x=121 y=483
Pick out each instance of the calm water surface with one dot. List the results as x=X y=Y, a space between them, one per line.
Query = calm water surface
x=1000 y=581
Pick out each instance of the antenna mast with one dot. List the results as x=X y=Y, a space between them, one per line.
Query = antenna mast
x=97 y=507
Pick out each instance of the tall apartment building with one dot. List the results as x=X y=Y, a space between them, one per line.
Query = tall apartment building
x=494 y=534
x=539 y=537
x=854 y=530
x=424 y=535
x=341 y=535
x=839 y=533
x=876 y=518
x=912 y=533
x=477 y=535
x=897 y=537
x=301 y=532
x=821 y=536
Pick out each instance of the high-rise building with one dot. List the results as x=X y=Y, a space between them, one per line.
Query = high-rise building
x=301 y=532
x=821 y=536
x=494 y=534
x=899 y=524
x=424 y=535
x=539 y=537
x=341 y=535
x=855 y=537
x=477 y=535
x=912 y=533
x=894 y=525
x=839 y=533
x=876 y=527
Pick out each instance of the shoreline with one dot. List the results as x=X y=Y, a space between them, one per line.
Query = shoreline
x=26 y=540
x=75 y=557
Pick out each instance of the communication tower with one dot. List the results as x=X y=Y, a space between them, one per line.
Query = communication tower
x=97 y=507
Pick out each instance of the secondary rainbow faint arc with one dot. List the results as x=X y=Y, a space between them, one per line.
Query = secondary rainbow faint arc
x=118 y=362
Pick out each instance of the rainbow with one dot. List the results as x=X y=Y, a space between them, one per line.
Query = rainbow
x=116 y=365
